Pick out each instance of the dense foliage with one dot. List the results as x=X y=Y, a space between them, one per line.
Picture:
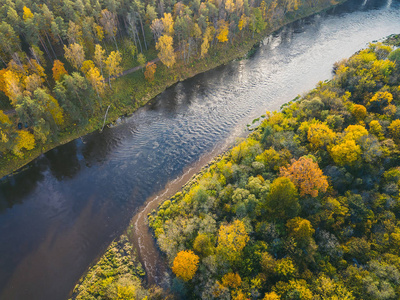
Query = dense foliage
x=307 y=207
x=116 y=276
x=59 y=57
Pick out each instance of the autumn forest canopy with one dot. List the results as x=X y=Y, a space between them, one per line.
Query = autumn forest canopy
x=307 y=207
x=59 y=57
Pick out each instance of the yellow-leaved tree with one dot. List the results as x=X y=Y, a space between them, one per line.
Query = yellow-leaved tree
x=271 y=296
x=4 y=118
x=207 y=37
x=75 y=55
x=12 y=87
x=99 y=57
x=243 y=22
x=185 y=264
x=345 y=153
x=222 y=31
x=5 y=124
x=376 y=128
x=232 y=238
x=230 y=6
x=166 y=51
x=359 y=112
x=355 y=132
x=25 y=140
x=32 y=82
x=394 y=129
x=380 y=99
x=113 y=65
x=27 y=13
x=320 y=135
x=86 y=66
x=96 y=80
x=298 y=287
x=168 y=23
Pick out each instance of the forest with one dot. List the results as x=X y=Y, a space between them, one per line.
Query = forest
x=60 y=59
x=307 y=207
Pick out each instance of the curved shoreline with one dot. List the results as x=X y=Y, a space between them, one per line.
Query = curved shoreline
x=139 y=232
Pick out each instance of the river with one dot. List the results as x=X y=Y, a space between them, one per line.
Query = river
x=58 y=215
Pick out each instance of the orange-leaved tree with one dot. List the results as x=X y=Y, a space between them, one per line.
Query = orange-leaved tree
x=58 y=70
x=185 y=264
x=307 y=176
x=150 y=71
x=231 y=280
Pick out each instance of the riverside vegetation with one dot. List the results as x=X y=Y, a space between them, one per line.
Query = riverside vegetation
x=307 y=207
x=117 y=275
x=62 y=61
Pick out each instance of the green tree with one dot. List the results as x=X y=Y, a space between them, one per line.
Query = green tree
x=203 y=245
x=282 y=201
x=141 y=60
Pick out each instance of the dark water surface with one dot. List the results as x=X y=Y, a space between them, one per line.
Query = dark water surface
x=60 y=214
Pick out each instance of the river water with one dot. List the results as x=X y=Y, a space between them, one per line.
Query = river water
x=60 y=214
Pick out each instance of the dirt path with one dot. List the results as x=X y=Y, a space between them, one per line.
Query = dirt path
x=9 y=112
x=150 y=256
x=129 y=71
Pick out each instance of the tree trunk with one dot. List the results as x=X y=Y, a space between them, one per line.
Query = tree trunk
x=47 y=37
x=62 y=42
x=144 y=36
x=3 y=61
x=140 y=44
x=45 y=48
x=115 y=41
